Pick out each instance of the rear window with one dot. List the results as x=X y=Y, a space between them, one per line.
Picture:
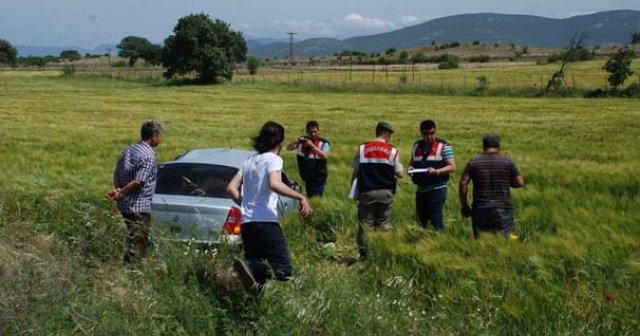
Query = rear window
x=194 y=179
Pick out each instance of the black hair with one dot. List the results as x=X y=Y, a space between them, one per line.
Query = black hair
x=312 y=124
x=491 y=141
x=381 y=130
x=427 y=125
x=150 y=128
x=271 y=135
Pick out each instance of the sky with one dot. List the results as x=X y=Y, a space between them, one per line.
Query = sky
x=89 y=23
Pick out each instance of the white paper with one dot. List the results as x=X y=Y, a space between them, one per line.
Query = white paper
x=419 y=170
x=353 y=193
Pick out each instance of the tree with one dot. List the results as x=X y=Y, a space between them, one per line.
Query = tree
x=35 y=61
x=576 y=43
x=253 y=63
x=635 y=38
x=211 y=49
x=8 y=54
x=404 y=56
x=619 y=66
x=152 y=54
x=70 y=55
x=134 y=47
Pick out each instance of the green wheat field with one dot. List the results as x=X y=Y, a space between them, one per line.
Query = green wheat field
x=576 y=270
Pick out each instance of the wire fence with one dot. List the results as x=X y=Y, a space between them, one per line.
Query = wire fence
x=508 y=75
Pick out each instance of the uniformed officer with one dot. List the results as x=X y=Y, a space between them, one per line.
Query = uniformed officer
x=434 y=157
x=312 y=153
x=376 y=167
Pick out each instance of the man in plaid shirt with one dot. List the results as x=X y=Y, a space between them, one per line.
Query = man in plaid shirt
x=134 y=183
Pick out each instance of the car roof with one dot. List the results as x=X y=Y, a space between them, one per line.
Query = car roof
x=218 y=156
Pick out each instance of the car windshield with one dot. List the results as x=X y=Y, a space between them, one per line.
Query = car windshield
x=194 y=179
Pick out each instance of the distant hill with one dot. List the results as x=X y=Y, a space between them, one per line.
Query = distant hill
x=25 y=51
x=612 y=27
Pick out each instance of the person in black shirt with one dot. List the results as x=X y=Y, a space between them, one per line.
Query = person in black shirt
x=493 y=175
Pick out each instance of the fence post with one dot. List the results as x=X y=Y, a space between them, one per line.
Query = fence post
x=413 y=76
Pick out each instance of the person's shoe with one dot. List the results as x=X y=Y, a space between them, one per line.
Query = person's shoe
x=245 y=275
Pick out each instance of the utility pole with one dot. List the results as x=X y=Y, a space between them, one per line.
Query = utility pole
x=291 y=48
x=109 y=55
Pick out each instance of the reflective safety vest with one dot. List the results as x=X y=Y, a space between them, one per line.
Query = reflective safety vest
x=312 y=168
x=425 y=156
x=376 y=166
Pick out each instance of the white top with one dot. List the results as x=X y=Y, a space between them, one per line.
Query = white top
x=259 y=202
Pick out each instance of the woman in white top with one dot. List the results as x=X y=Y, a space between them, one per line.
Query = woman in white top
x=255 y=188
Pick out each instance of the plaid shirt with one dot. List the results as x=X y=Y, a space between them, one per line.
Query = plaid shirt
x=137 y=162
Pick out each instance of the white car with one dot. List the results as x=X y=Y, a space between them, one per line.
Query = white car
x=191 y=201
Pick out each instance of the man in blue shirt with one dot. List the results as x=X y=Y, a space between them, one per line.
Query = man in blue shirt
x=435 y=157
x=134 y=183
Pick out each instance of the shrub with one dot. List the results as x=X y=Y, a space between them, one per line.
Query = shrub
x=483 y=85
x=119 y=64
x=253 y=63
x=403 y=78
x=479 y=59
x=70 y=55
x=449 y=62
x=632 y=91
x=68 y=70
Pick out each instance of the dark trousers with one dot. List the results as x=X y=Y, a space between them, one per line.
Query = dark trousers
x=138 y=225
x=314 y=189
x=265 y=251
x=374 y=209
x=492 y=219
x=429 y=207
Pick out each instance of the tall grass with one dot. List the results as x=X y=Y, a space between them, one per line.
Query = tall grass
x=575 y=272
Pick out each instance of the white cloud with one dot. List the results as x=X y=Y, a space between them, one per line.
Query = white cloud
x=408 y=20
x=358 y=21
x=572 y=14
x=352 y=24
x=305 y=27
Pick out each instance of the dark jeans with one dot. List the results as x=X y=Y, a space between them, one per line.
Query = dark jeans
x=314 y=189
x=138 y=225
x=429 y=207
x=265 y=251
x=492 y=219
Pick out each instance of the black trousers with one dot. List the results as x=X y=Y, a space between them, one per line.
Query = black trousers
x=429 y=207
x=492 y=219
x=315 y=189
x=138 y=225
x=265 y=250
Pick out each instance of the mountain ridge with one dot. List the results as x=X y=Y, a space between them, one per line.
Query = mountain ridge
x=609 y=27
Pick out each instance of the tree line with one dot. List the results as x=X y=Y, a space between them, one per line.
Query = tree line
x=210 y=49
